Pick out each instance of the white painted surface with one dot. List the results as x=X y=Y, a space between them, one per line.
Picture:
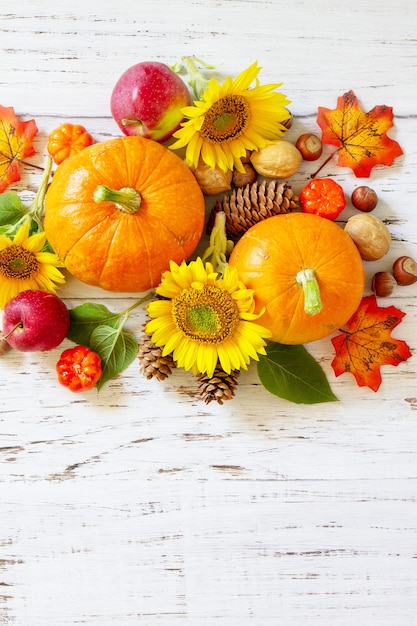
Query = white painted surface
x=141 y=505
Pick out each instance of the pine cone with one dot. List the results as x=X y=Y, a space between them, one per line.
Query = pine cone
x=151 y=362
x=246 y=206
x=220 y=387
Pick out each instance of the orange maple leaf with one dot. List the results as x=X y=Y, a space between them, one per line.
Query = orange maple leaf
x=367 y=343
x=15 y=144
x=360 y=137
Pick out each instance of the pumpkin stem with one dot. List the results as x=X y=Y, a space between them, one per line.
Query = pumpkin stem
x=312 y=301
x=126 y=199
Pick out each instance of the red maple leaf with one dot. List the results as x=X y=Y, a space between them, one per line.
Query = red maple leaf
x=360 y=137
x=367 y=343
x=15 y=144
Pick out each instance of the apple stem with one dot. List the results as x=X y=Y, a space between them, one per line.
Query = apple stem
x=18 y=325
x=126 y=199
x=312 y=301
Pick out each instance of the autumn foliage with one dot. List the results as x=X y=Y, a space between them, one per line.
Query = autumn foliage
x=366 y=344
x=15 y=144
x=360 y=138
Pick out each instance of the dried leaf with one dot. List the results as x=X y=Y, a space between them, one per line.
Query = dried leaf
x=367 y=343
x=360 y=137
x=15 y=144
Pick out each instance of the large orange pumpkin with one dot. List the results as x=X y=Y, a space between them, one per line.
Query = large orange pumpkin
x=120 y=210
x=306 y=272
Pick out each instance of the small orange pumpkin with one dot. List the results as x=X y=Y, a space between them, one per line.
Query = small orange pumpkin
x=306 y=272
x=120 y=210
x=66 y=140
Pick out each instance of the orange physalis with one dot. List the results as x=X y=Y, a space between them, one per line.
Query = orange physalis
x=367 y=343
x=66 y=140
x=324 y=197
x=15 y=144
x=360 y=137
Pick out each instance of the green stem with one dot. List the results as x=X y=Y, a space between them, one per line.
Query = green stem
x=39 y=199
x=312 y=301
x=35 y=209
x=197 y=81
x=124 y=315
x=126 y=199
x=148 y=296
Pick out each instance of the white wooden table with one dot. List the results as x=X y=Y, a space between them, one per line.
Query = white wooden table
x=142 y=505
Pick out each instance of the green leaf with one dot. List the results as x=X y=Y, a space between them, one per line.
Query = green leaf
x=84 y=319
x=11 y=208
x=290 y=372
x=116 y=348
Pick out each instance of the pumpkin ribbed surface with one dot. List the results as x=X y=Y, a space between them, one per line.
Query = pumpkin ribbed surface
x=98 y=241
x=270 y=256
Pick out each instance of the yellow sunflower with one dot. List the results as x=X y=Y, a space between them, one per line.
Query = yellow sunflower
x=24 y=266
x=206 y=318
x=230 y=119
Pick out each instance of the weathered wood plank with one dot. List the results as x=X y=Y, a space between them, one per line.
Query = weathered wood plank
x=142 y=505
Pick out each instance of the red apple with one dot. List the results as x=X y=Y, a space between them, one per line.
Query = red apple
x=147 y=101
x=35 y=320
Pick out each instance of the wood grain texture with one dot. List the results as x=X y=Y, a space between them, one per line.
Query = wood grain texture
x=142 y=505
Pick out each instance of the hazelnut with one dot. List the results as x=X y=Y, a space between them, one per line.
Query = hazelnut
x=310 y=146
x=405 y=270
x=383 y=284
x=241 y=179
x=364 y=199
x=278 y=159
x=212 y=181
x=371 y=236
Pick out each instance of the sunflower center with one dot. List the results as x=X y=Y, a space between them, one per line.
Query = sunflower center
x=18 y=263
x=226 y=119
x=205 y=313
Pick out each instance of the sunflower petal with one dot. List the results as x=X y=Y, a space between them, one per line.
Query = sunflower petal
x=267 y=112
x=208 y=320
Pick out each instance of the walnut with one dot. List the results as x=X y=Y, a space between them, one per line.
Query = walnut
x=279 y=159
x=371 y=236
